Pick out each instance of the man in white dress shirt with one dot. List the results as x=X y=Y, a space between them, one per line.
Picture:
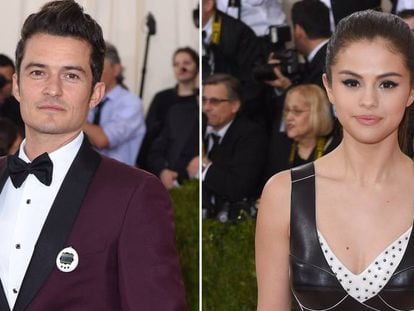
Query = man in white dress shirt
x=258 y=14
x=78 y=231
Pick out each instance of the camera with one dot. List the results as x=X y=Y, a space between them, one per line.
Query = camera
x=289 y=64
x=225 y=211
x=224 y=214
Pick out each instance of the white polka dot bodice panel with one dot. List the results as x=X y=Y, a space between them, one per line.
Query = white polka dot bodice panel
x=369 y=282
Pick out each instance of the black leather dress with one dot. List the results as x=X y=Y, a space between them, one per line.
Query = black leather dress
x=313 y=283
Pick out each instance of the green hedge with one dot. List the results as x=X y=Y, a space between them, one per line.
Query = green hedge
x=229 y=277
x=186 y=212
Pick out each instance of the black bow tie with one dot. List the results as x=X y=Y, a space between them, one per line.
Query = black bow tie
x=41 y=167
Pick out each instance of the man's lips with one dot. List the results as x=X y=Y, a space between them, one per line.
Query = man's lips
x=51 y=107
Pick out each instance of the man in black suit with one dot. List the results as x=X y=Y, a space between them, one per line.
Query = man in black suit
x=311 y=32
x=235 y=148
x=173 y=154
x=233 y=49
x=78 y=231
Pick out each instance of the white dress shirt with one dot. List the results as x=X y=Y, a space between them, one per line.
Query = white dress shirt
x=23 y=211
x=331 y=17
x=220 y=133
x=312 y=54
x=258 y=14
x=122 y=120
x=404 y=5
x=208 y=29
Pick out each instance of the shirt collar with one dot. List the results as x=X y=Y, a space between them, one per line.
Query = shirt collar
x=61 y=158
x=208 y=28
x=315 y=50
x=114 y=93
x=220 y=132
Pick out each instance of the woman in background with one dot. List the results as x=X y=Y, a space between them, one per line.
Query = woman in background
x=308 y=125
x=185 y=92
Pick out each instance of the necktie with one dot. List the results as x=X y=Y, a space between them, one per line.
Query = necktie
x=216 y=142
x=41 y=167
x=97 y=116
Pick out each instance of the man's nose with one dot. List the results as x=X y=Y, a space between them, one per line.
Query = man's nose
x=53 y=86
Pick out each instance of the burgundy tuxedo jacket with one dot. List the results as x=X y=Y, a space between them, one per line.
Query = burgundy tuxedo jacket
x=119 y=220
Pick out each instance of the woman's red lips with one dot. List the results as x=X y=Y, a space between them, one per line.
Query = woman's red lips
x=368 y=119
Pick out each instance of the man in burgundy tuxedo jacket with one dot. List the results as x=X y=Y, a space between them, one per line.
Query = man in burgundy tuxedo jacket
x=78 y=231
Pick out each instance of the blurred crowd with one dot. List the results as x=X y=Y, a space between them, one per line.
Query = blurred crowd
x=264 y=104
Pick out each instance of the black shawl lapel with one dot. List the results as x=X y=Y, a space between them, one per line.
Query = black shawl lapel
x=4 y=304
x=58 y=223
x=3 y=172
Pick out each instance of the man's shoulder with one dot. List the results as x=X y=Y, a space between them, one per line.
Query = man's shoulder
x=121 y=174
x=3 y=162
x=120 y=94
x=243 y=125
x=166 y=93
x=320 y=54
x=233 y=24
x=230 y=20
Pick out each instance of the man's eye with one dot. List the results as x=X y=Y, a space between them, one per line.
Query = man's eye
x=351 y=83
x=36 y=73
x=71 y=76
x=388 y=85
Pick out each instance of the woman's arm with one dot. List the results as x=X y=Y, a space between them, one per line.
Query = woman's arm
x=272 y=245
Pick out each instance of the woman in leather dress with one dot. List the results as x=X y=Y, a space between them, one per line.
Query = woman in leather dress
x=336 y=234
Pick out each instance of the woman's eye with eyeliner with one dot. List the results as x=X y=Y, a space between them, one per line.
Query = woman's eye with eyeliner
x=350 y=83
x=388 y=85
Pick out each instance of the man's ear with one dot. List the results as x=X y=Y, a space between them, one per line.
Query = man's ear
x=16 y=90
x=236 y=104
x=97 y=94
x=328 y=88
x=299 y=31
x=117 y=69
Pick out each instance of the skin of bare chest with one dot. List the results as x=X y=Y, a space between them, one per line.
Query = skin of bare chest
x=359 y=222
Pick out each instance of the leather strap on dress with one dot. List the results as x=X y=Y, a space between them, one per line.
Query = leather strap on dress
x=303 y=235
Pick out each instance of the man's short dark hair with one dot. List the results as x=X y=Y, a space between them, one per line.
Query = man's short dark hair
x=313 y=17
x=65 y=18
x=231 y=84
x=112 y=54
x=6 y=61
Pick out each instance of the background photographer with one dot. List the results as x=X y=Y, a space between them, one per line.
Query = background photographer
x=232 y=47
x=310 y=36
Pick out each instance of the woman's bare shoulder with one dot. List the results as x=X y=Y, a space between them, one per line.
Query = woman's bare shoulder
x=278 y=184
x=275 y=197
